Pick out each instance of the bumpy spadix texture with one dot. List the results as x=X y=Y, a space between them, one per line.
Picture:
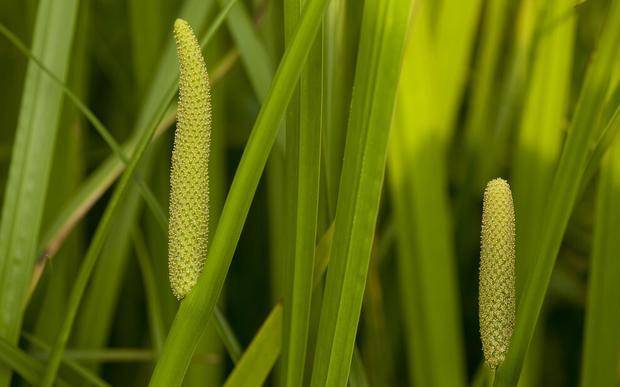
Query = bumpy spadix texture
x=189 y=179
x=497 y=272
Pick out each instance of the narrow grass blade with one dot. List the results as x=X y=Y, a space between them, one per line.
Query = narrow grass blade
x=453 y=48
x=376 y=348
x=254 y=56
x=540 y=136
x=482 y=108
x=603 y=144
x=150 y=288
x=66 y=173
x=582 y=134
x=117 y=355
x=30 y=165
x=341 y=29
x=147 y=33
x=291 y=14
x=197 y=307
x=357 y=377
x=260 y=356
x=87 y=375
x=227 y=336
x=303 y=162
x=259 y=69
x=100 y=300
x=28 y=368
x=383 y=32
x=601 y=342
x=272 y=327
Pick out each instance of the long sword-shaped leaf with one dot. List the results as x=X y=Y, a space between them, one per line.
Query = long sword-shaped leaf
x=341 y=29
x=67 y=171
x=22 y=209
x=197 y=307
x=539 y=139
x=302 y=164
x=257 y=361
x=383 y=32
x=254 y=56
x=271 y=329
x=482 y=107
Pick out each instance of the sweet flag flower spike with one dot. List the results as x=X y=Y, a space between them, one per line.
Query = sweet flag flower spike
x=497 y=272
x=189 y=178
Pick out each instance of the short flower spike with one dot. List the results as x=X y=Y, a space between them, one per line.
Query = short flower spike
x=497 y=272
x=189 y=179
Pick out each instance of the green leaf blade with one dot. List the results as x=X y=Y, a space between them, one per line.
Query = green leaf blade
x=260 y=356
x=602 y=342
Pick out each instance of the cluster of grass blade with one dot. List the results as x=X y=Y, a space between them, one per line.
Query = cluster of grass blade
x=382 y=39
x=22 y=209
x=310 y=95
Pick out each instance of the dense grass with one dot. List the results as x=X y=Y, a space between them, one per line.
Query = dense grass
x=351 y=143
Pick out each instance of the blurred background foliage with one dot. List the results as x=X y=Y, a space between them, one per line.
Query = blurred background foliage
x=488 y=89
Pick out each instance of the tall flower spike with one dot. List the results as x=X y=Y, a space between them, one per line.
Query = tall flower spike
x=189 y=179
x=497 y=272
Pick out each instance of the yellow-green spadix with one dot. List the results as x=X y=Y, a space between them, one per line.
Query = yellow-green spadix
x=497 y=272
x=189 y=179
